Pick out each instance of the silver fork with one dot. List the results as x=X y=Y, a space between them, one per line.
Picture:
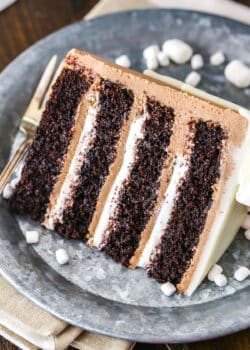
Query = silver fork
x=31 y=119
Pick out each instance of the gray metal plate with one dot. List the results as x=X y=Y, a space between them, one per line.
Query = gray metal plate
x=93 y=292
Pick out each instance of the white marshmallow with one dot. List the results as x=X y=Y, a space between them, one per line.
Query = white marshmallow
x=242 y=273
x=193 y=78
x=8 y=191
x=168 y=289
x=243 y=194
x=197 y=61
x=152 y=63
x=123 y=61
x=62 y=256
x=247 y=234
x=220 y=280
x=246 y=223
x=217 y=58
x=177 y=50
x=151 y=51
x=238 y=74
x=163 y=59
x=215 y=270
x=32 y=237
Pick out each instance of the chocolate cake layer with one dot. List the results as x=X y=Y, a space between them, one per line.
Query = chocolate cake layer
x=139 y=192
x=188 y=217
x=115 y=103
x=45 y=157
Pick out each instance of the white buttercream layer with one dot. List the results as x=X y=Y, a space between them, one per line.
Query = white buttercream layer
x=227 y=222
x=87 y=137
x=135 y=134
x=180 y=168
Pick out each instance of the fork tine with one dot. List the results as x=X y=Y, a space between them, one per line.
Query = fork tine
x=42 y=86
x=48 y=92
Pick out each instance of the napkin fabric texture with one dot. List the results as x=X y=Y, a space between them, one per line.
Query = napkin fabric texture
x=21 y=321
x=30 y=328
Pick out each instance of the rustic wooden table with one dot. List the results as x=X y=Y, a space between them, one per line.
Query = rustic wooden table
x=28 y=21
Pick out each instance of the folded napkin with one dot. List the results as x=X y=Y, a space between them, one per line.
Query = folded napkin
x=29 y=327
x=5 y=3
x=22 y=322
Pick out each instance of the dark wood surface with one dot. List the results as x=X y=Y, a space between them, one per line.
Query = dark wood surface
x=21 y=25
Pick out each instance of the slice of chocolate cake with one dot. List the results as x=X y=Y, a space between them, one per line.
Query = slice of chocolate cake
x=143 y=169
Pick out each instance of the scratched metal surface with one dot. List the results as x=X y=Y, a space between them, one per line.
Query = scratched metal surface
x=92 y=291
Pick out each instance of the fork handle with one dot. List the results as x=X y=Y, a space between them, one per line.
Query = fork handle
x=13 y=162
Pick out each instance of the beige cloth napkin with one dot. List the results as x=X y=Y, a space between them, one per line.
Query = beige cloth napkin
x=29 y=327
x=21 y=321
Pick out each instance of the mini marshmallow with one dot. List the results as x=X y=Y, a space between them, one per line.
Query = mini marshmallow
x=62 y=256
x=215 y=270
x=217 y=58
x=152 y=63
x=151 y=51
x=242 y=273
x=243 y=194
x=123 y=61
x=247 y=234
x=197 y=61
x=220 y=280
x=32 y=237
x=163 y=59
x=238 y=74
x=193 y=78
x=8 y=191
x=168 y=289
x=177 y=50
x=246 y=223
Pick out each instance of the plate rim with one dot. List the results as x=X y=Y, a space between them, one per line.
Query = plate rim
x=18 y=284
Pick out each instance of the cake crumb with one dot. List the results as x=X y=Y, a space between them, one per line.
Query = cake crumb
x=220 y=280
x=215 y=270
x=197 y=61
x=168 y=289
x=123 y=61
x=8 y=191
x=193 y=78
x=217 y=58
x=238 y=74
x=241 y=273
x=247 y=234
x=32 y=237
x=177 y=50
x=62 y=256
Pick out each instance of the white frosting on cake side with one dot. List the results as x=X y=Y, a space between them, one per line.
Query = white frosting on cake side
x=135 y=134
x=180 y=169
x=226 y=224
x=86 y=138
x=229 y=218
